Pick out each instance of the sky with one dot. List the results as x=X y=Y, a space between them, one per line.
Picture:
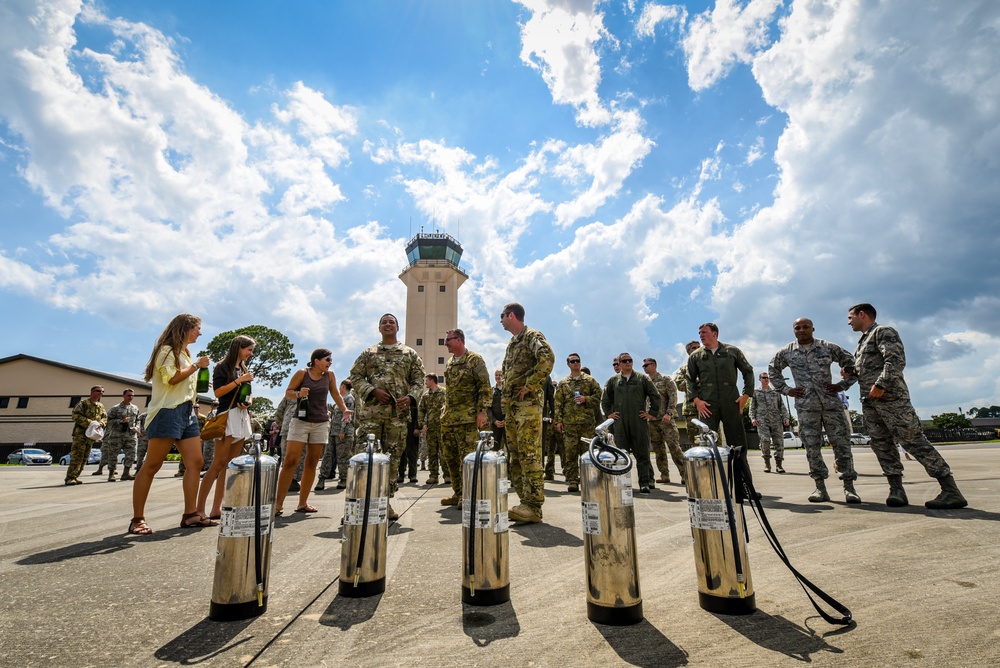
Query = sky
x=625 y=170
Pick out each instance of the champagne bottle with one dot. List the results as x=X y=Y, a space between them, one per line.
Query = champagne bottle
x=243 y=394
x=202 y=384
x=303 y=408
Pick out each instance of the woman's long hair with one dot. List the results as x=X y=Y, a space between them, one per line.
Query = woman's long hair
x=237 y=367
x=175 y=337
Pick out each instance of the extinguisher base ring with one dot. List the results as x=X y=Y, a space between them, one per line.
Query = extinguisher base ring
x=486 y=596
x=232 y=612
x=363 y=590
x=728 y=606
x=603 y=614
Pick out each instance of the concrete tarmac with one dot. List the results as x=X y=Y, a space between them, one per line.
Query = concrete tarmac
x=922 y=584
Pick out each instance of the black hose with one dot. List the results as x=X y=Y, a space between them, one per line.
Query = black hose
x=600 y=444
x=258 y=547
x=368 y=501
x=473 y=511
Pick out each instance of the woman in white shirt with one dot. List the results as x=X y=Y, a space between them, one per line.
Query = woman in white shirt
x=171 y=419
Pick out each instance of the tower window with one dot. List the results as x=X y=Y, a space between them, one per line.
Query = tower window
x=440 y=342
x=22 y=402
x=420 y=342
x=441 y=289
x=5 y=401
x=420 y=288
x=440 y=360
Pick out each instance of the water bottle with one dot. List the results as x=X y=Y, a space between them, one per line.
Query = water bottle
x=202 y=384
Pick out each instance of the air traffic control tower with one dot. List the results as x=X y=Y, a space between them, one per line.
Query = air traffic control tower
x=432 y=280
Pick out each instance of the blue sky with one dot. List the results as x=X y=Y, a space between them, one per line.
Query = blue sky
x=625 y=170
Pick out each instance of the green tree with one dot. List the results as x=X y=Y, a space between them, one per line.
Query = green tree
x=991 y=412
x=272 y=360
x=857 y=421
x=262 y=406
x=950 y=421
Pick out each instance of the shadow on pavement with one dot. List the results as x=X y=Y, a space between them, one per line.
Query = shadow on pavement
x=485 y=624
x=345 y=612
x=545 y=535
x=202 y=642
x=643 y=645
x=777 y=634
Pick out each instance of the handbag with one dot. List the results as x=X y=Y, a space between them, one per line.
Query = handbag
x=215 y=427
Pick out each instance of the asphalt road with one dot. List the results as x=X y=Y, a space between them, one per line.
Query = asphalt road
x=922 y=585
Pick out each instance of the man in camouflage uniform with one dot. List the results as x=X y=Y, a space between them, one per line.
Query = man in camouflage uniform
x=85 y=412
x=626 y=398
x=120 y=436
x=818 y=405
x=688 y=410
x=495 y=412
x=551 y=439
x=576 y=396
x=142 y=442
x=387 y=378
x=467 y=397
x=888 y=413
x=283 y=415
x=712 y=370
x=208 y=445
x=340 y=446
x=663 y=434
x=429 y=417
x=770 y=415
x=526 y=366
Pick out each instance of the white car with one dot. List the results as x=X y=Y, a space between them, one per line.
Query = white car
x=791 y=440
x=861 y=439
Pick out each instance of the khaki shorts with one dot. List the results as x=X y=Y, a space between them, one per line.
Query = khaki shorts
x=301 y=431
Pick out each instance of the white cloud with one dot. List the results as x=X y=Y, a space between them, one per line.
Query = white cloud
x=887 y=189
x=654 y=14
x=717 y=40
x=147 y=163
x=560 y=41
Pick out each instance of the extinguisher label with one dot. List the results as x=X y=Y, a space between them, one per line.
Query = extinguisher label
x=624 y=480
x=241 y=521
x=354 y=511
x=501 y=522
x=483 y=518
x=591 y=518
x=708 y=514
x=503 y=485
x=627 y=496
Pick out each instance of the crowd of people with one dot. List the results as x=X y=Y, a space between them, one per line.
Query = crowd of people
x=532 y=416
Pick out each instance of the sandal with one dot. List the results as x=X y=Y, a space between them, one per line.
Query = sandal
x=277 y=513
x=196 y=521
x=139 y=527
x=307 y=509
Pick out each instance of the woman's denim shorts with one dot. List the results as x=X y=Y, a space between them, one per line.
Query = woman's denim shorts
x=178 y=423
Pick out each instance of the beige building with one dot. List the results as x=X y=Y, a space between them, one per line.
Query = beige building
x=432 y=281
x=37 y=397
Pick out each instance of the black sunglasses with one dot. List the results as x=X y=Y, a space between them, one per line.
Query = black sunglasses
x=626 y=361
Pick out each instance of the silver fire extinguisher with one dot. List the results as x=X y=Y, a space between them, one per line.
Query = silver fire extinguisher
x=717 y=527
x=243 y=555
x=609 y=543
x=362 y=556
x=485 y=570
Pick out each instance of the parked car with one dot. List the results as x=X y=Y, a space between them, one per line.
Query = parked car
x=861 y=439
x=30 y=457
x=792 y=441
x=93 y=458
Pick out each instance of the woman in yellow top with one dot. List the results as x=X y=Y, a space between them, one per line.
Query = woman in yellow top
x=171 y=419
